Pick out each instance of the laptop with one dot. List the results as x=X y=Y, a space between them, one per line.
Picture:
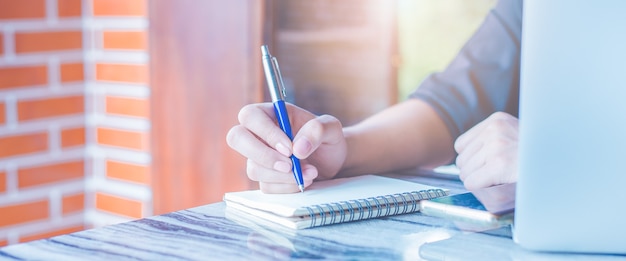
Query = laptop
x=571 y=191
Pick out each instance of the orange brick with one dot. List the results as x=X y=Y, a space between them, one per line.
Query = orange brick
x=23 y=76
x=128 y=106
x=118 y=205
x=48 y=41
x=72 y=137
x=51 y=234
x=23 y=213
x=4 y=242
x=47 y=174
x=120 y=7
x=73 y=203
x=37 y=109
x=1 y=44
x=71 y=72
x=130 y=73
x=2 y=113
x=69 y=8
x=12 y=9
x=23 y=144
x=3 y=182
x=135 y=40
x=122 y=138
x=128 y=172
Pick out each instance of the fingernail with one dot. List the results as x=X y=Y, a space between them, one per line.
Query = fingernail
x=283 y=149
x=302 y=146
x=282 y=166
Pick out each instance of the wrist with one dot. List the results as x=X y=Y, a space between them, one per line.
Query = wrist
x=350 y=163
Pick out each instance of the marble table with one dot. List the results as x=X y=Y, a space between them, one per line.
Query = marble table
x=210 y=233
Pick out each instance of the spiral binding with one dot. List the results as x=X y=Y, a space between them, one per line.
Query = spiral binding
x=380 y=206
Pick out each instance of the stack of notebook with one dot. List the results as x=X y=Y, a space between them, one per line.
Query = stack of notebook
x=335 y=201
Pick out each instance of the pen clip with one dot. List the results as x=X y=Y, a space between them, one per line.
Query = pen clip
x=280 y=77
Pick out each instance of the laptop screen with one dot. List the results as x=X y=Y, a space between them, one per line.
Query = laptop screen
x=571 y=193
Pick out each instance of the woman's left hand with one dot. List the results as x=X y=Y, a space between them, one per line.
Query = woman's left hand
x=487 y=153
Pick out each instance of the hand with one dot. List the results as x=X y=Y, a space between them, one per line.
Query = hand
x=318 y=143
x=487 y=153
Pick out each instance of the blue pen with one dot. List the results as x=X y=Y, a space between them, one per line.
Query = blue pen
x=277 y=91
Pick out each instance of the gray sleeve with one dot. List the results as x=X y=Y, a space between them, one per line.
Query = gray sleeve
x=484 y=77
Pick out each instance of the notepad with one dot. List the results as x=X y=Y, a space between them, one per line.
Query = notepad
x=335 y=201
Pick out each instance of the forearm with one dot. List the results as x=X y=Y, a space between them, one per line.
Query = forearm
x=407 y=135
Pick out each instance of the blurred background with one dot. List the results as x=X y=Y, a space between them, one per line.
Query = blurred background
x=113 y=110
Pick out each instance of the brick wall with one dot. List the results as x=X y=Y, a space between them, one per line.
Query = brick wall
x=120 y=104
x=74 y=116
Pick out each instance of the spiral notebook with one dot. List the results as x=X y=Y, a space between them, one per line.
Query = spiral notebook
x=335 y=201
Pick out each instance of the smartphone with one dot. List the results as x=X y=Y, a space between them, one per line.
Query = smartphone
x=492 y=207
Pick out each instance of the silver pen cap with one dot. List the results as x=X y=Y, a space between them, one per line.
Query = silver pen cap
x=272 y=75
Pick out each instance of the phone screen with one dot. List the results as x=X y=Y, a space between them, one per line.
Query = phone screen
x=463 y=200
x=491 y=206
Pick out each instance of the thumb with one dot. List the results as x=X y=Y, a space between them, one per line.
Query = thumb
x=323 y=129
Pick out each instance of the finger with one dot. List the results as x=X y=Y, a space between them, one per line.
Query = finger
x=323 y=129
x=282 y=188
x=468 y=156
x=464 y=140
x=473 y=182
x=471 y=144
x=482 y=150
x=471 y=165
x=499 y=170
x=309 y=173
x=278 y=188
x=247 y=144
x=485 y=177
x=277 y=182
x=480 y=178
x=467 y=138
x=260 y=173
x=260 y=119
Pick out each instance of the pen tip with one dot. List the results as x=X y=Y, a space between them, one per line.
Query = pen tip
x=301 y=188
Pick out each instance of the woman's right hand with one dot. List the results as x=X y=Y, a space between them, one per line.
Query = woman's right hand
x=318 y=142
